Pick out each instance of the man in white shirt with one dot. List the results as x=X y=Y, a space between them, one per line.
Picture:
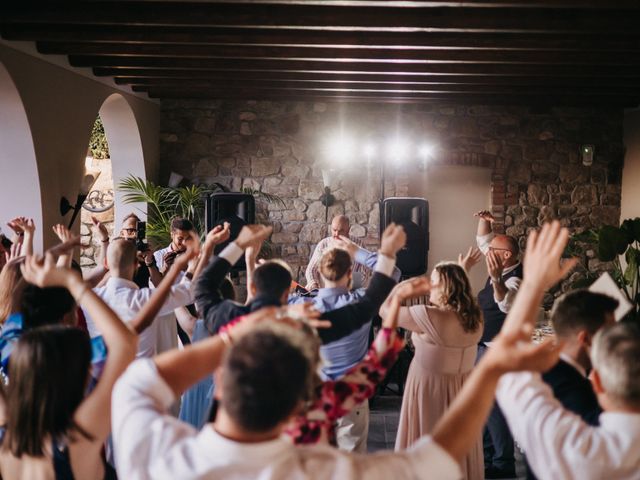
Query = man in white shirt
x=126 y=298
x=558 y=443
x=495 y=300
x=339 y=228
x=267 y=370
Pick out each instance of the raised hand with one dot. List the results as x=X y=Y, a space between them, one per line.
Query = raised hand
x=101 y=229
x=14 y=252
x=43 y=271
x=218 y=234
x=470 y=259
x=485 y=215
x=412 y=288
x=22 y=225
x=494 y=266
x=62 y=232
x=345 y=243
x=65 y=247
x=542 y=264
x=253 y=235
x=393 y=240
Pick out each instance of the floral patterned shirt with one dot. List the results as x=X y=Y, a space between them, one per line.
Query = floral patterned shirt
x=336 y=398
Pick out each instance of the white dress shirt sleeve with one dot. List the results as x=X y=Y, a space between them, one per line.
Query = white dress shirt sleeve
x=385 y=265
x=484 y=241
x=512 y=284
x=232 y=253
x=558 y=443
x=142 y=430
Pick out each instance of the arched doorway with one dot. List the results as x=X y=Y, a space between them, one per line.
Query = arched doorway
x=125 y=148
x=19 y=179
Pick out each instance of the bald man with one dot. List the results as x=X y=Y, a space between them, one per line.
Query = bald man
x=495 y=299
x=361 y=272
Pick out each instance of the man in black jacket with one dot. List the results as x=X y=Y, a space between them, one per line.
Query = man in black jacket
x=271 y=282
x=576 y=319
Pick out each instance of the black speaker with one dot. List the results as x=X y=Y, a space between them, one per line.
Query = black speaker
x=239 y=209
x=413 y=215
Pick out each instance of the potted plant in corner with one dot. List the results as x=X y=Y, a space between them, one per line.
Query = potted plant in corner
x=620 y=246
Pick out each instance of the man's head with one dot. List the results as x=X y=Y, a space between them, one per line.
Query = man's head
x=122 y=258
x=340 y=226
x=616 y=367
x=47 y=306
x=577 y=316
x=266 y=377
x=180 y=231
x=272 y=279
x=506 y=248
x=335 y=267
x=129 y=228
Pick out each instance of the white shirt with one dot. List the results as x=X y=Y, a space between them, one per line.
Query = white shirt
x=512 y=283
x=152 y=445
x=158 y=255
x=558 y=443
x=126 y=299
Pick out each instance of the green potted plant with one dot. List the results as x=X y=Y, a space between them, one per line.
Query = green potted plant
x=165 y=203
x=620 y=246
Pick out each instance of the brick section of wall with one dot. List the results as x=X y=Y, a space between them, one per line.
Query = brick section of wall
x=279 y=147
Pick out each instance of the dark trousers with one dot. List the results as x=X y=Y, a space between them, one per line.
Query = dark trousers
x=497 y=439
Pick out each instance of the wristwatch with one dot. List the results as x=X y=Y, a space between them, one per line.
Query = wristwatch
x=152 y=264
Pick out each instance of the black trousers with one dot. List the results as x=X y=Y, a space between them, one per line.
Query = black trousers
x=497 y=440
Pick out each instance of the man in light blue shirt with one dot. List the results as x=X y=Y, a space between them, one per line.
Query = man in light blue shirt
x=336 y=269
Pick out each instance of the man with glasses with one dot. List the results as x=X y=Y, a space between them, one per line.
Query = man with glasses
x=147 y=267
x=495 y=300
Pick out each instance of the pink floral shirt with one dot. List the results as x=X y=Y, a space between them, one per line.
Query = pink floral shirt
x=336 y=398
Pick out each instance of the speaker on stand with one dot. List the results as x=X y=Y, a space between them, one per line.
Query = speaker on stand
x=239 y=209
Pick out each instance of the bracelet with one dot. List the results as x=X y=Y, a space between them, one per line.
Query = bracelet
x=226 y=338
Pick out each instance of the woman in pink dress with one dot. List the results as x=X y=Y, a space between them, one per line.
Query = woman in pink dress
x=445 y=336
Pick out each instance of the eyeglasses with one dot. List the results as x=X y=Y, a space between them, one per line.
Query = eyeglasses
x=494 y=249
x=130 y=230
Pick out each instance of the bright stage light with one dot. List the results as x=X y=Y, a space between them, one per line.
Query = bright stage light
x=398 y=149
x=340 y=149
x=369 y=150
x=426 y=151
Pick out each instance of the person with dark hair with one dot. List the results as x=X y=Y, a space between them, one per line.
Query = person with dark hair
x=495 y=299
x=558 y=443
x=181 y=231
x=147 y=267
x=445 y=336
x=576 y=317
x=336 y=268
x=275 y=279
x=267 y=370
x=51 y=430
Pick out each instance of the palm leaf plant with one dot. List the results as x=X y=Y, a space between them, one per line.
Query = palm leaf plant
x=166 y=203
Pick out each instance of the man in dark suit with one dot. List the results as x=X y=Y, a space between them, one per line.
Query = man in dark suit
x=576 y=318
x=271 y=282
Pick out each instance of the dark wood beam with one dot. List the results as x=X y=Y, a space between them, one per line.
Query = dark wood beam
x=355 y=81
x=327 y=38
x=591 y=100
x=352 y=66
x=622 y=57
x=326 y=16
x=391 y=89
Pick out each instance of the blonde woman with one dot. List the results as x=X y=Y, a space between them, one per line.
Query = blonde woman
x=445 y=335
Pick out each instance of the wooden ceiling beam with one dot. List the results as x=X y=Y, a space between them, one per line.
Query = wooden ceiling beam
x=392 y=89
x=349 y=66
x=312 y=38
x=622 y=57
x=385 y=82
x=326 y=16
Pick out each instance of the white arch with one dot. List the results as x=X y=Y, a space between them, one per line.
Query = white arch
x=19 y=179
x=125 y=149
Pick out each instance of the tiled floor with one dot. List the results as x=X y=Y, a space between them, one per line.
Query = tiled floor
x=383 y=425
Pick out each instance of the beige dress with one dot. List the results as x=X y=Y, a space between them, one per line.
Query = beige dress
x=444 y=357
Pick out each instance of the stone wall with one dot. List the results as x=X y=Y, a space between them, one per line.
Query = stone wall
x=279 y=147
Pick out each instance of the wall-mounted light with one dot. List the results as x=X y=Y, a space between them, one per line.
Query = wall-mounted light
x=85 y=187
x=397 y=149
x=587 y=152
x=327 y=199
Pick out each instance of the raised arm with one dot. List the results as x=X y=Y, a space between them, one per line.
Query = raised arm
x=362 y=255
x=352 y=316
x=93 y=414
x=411 y=288
x=250 y=259
x=64 y=235
x=24 y=227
